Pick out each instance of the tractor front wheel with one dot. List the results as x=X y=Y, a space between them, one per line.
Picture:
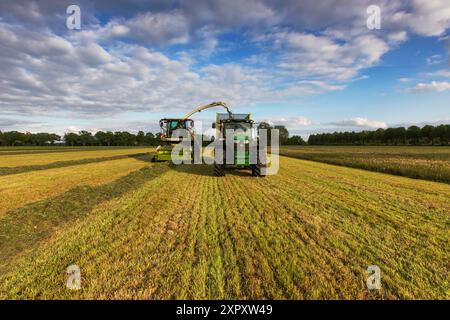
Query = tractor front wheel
x=219 y=170
x=256 y=171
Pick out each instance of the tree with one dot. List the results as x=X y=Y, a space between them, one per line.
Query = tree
x=86 y=138
x=441 y=132
x=413 y=134
x=399 y=135
x=283 y=132
x=427 y=132
x=296 y=140
x=71 y=139
x=140 y=138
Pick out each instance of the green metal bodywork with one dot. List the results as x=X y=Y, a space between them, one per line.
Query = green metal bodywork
x=238 y=121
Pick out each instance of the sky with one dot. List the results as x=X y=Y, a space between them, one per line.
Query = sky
x=312 y=65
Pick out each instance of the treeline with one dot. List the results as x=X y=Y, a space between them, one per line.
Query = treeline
x=413 y=135
x=119 y=138
x=285 y=137
x=15 y=138
x=82 y=138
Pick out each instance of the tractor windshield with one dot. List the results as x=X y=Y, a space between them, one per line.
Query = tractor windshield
x=241 y=126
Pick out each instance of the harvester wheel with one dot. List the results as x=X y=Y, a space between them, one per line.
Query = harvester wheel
x=219 y=170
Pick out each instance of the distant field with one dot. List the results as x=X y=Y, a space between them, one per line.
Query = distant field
x=141 y=230
x=430 y=163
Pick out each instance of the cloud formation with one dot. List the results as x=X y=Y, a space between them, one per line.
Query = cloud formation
x=360 y=123
x=136 y=56
x=433 y=86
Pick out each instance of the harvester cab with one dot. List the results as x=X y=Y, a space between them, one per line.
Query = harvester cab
x=244 y=137
x=170 y=125
x=168 y=139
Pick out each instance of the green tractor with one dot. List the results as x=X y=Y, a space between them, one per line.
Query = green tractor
x=245 y=151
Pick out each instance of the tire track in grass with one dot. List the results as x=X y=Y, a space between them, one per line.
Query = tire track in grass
x=257 y=267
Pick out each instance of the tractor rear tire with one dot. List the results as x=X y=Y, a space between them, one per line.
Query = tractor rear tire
x=219 y=170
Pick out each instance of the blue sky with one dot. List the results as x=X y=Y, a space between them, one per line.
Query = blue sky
x=313 y=66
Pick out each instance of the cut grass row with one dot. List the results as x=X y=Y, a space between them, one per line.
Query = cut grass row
x=20 y=189
x=41 y=159
x=309 y=232
x=60 y=164
x=429 y=163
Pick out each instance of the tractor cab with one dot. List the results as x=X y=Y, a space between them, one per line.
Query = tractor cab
x=242 y=124
x=168 y=126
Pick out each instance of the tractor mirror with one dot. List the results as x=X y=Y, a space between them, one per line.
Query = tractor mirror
x=214 y=125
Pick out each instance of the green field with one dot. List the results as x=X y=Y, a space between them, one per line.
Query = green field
x=430 y=163
x=142 y=230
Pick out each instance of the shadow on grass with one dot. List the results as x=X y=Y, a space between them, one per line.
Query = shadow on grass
x=25 y=227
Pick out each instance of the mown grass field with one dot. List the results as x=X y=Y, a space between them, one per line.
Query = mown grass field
x=430 y=163
x=142 y=230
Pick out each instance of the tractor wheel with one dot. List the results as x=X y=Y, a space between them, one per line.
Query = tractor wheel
x=219 y=170
x=153 y=159
x=256 y=172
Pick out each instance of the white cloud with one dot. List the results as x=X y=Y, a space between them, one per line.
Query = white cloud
x=292 y=122
x=444 y=73
x=321 y=56
x=360 y=123
x=428 y=18
x=434 y=59
x=433 y=86
x=397 y=37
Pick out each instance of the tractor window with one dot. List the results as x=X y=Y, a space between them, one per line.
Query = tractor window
x=244 y=126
